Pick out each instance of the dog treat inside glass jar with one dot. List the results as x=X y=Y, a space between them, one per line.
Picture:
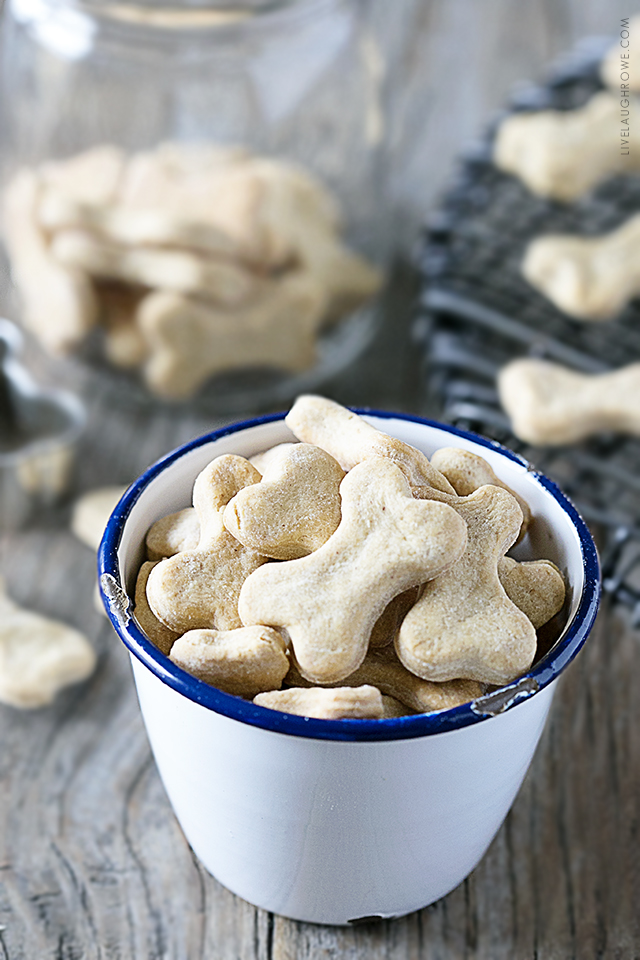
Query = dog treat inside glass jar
x=194 y=208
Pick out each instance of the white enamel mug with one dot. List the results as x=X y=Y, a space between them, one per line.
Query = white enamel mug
x=334 y=821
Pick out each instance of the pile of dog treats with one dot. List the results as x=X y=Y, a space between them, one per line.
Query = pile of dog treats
x=346 y=575
x=561 y=155
x=194 y=259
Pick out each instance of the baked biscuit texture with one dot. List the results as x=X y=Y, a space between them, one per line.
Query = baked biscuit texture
x=370 y=594
x=156 y=631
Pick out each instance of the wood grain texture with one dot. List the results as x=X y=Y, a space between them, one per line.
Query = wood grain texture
x=93 y=865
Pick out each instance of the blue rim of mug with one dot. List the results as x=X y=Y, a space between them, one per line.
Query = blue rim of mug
x=400 y=728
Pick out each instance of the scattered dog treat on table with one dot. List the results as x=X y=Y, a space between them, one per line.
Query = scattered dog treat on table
x=91 y=512
x=193 y=259
x=88 y=520
x=562 y=154
x=349 y=578
x=38 y=656
x=590 y=278
x=550 y=404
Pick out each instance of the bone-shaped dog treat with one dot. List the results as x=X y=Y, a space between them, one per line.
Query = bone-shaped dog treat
x=563 y=153
x=91 y=512
x=591 y=278
x=350 y=439
x=621 y=65
x=327 y=603
x=171 y=534
x=184 y=271
x=295 y=508
x=262 y=460
x=244 y=662
x=38 y=656
x=464 y=624
x=191 y=341
x=228 y=189
x=290 y=199
x=467 y=471
x=340 y=703
x=348 y=278
x=258 y=203
x=536 y=587
x=211 y=185
x=198 y=589
x=58 y=301
x=302 y=221
x=130 y=226
x=162 y=636
x=382 y=669
x=93 y=176
x=549 y=404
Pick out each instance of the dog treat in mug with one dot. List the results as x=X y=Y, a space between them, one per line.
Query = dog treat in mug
x=386 y=542
x=339 y=703
x=466 y=471
x=464 y=624
x=383 y=669
x=350 y=439
x=199 y=588
x=347 y=577
x=244 y=661
x=294 y=509
x=162 y=636
x=220 y=259
x=169 y=535
x=535 y=586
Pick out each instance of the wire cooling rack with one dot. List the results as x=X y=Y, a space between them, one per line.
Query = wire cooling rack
x=477 y=312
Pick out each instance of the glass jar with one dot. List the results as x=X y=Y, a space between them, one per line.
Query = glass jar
x=287 y=94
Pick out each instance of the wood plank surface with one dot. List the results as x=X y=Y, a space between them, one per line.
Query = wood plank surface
x=93 y=865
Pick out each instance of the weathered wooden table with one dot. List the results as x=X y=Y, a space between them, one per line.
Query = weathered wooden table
x=92 y=862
